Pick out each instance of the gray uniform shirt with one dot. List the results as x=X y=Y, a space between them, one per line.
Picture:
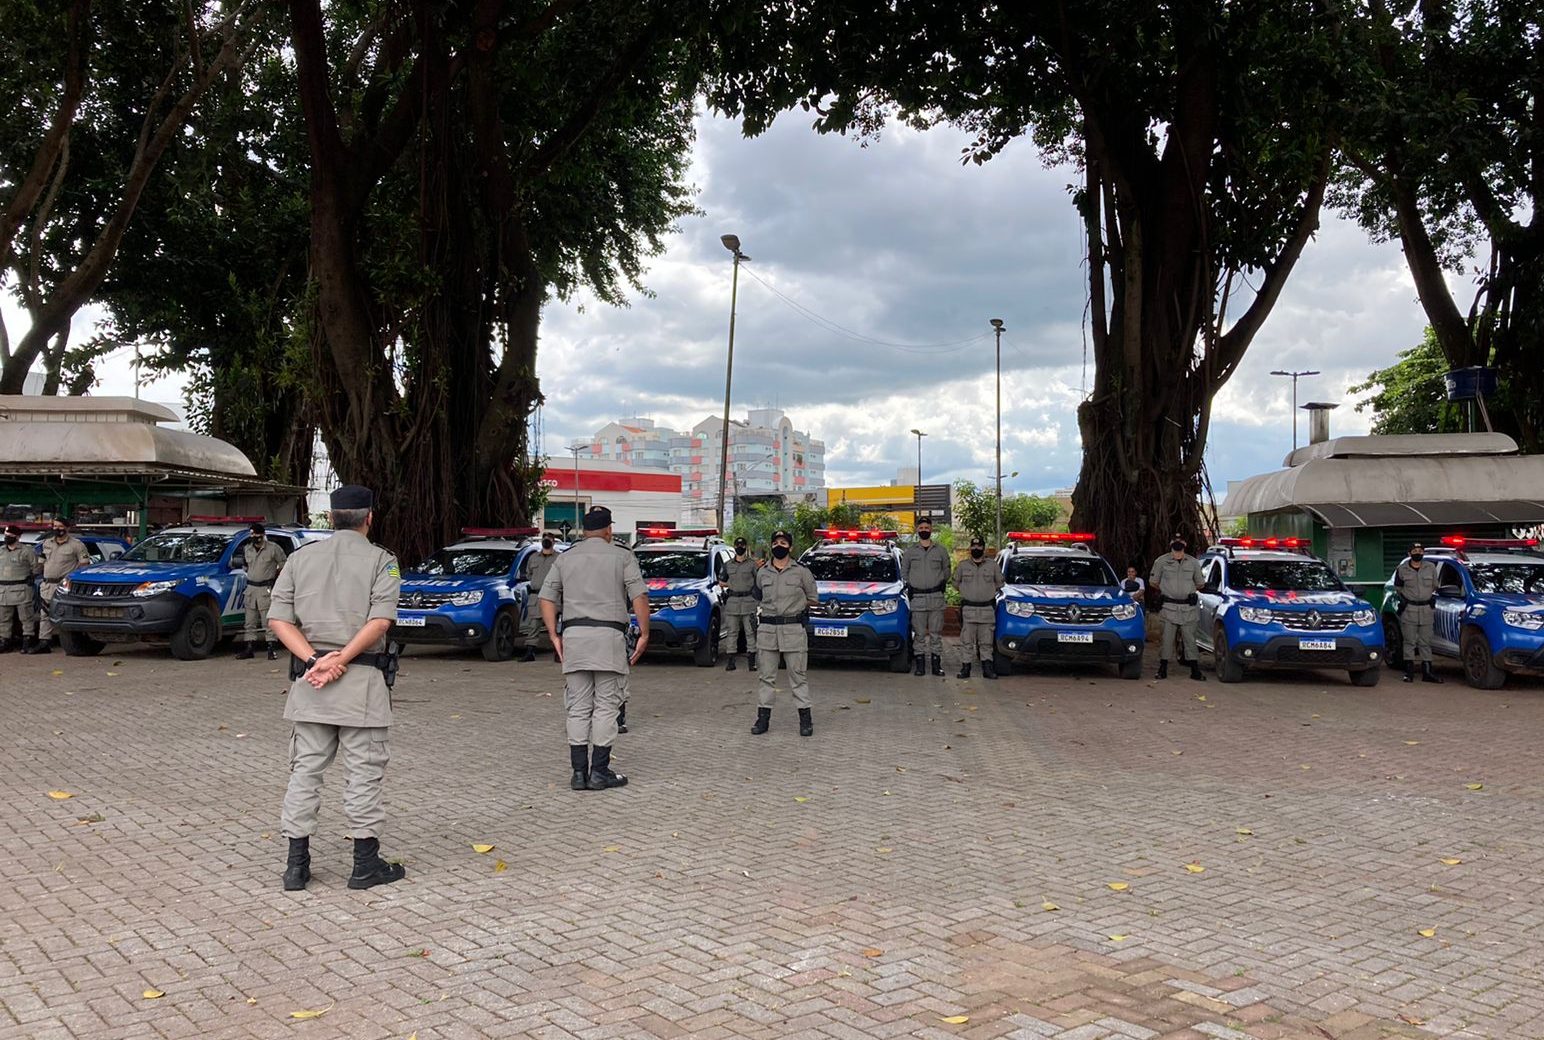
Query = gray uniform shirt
x=263 y=564
x=740 y=576
x=1175 y=580
x=1416 y=585
x=541 y=563
x=978 y=580
x=18 y=564
x=330 y=590
x=59 y=560
x=595 y=580
x=926 y=567
x=785 y=593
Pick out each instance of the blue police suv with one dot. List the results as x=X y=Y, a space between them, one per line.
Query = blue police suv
x=864 y=613
x=1489 y=608
x=682 y=569
x=1268 y=603
x=183 y=587
x=475 y=592
x=1062 y=603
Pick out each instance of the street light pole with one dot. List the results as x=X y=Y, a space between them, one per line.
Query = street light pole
x=1294 y=376
x=576 y=449
x=731 y=243
x=997 y=326
x=920 y=435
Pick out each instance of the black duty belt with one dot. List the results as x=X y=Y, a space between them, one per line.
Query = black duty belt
x=790 y=619
x=732 y=592
x=1417 y=602
x=260 y=584
x=385 y=662
x=978 y=603
x=586 y=622
x=915 y=591
x=16 y=581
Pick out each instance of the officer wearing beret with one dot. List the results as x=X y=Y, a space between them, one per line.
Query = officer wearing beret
x=264 y=560
x=786 y=590
x=592 y=586
x=979 y=580
x=18 y=565
x=332 y=608
x=1416 y=582
x=738 y=583
x=926 y=567
x=62 y=554
x=1176 y=581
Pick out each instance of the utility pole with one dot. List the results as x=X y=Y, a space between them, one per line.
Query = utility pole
x=1294 y=376
x=997 y=326
x=731 y=243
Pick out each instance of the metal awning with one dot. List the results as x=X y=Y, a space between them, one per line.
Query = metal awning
x=1428 y=514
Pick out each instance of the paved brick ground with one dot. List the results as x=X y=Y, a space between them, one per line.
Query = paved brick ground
x=874 y=881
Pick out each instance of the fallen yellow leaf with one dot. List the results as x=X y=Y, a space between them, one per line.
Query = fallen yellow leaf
x=500 y=867
x=1411 y=1019
x=153 y=994
x=60 y=796
x=251 y=1000
x=873 y=951
x=1195 y=868
x=1475 y=787
x=1427 y=933
x=884 y=850
x=311 y=1012
x=612 y=848
x=1201 y=697
x=483 y=849
x=1245 y=831
x=1117 y=886
x=112 y=673
x=1117 y=937
x=58 y=671
x=955 y=1020
x=1451 y=861
x=1411 y=743
x=800 y=799
x=1049 y=906
x=862 y=700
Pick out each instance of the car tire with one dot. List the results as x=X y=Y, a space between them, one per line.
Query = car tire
x=78 y=644
x=1000 y=664
x=706 y=653
x=500 y=644
x=199 y=633
x=900 y=661
x=1228 y=670
x=1479 y=663
x=1367 y=676
x=1131 y=669
x=1393 y=641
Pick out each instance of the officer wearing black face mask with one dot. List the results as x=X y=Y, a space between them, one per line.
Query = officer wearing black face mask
x=18 y=565
x=978 y=580
x=739 y=611
x=1176 y=581
x=786 y=590
x=1416 y=581
x=536 y=572
x=925 y=568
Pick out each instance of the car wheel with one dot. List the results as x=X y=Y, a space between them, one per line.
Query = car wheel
x=1000 y=664
x=706 y=654
x=900 y=661
x=78 y=644
x=1393 y=641
x=198 y=635
x=501 y=642
x=1131 y=669
x=1367 y=677
x=1228 y=670
x=1479 y=663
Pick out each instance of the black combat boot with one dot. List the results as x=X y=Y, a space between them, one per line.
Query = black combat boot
x=579 y=758
x=273 y=651
x=750 y=661
x=806 y=723
x=245 y=653
x=34 y=645
x=1409 y=671
x=6 y=646
x=298 y=870
x=369 y=869
x=988 y=670
x=1195 y=671
x=763 y=720
x=622 y=718
x=938 y=665
x=919 y=665
x=1163 y=669
x=964 y=671
x=601 y=776
x=529 y=655
x=730 y=665
x=1427 y=675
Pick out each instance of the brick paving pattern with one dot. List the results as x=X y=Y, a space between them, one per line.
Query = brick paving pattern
x=881 y=879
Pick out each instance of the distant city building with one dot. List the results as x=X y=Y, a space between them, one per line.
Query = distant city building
x=768 y=458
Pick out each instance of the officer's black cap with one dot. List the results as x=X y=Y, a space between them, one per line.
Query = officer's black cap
x=257 y=528
x=782 y=536
x=1417 y=545
x=597 y=519
x=739 y=543
x=13 y=529
x=352 y=496
x=977 y=540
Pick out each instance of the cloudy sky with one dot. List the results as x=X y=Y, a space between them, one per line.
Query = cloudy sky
x=912 y=253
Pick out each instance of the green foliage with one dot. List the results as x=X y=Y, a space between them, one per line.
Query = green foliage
x=1409 y=396
x=975 y=511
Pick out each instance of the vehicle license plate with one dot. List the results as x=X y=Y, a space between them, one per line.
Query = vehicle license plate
x=1074 y=637
x=839 y=631
x=1316 y=644
x=102 y=612
x=411 y=621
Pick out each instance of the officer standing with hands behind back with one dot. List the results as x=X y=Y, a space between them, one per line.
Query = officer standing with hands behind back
x=1416 y=581
x=332 y=608
x=738 y=583
x=926 y=568
x=264 y=560
x=1176 y=581
x=786 y=590
x=18 y=565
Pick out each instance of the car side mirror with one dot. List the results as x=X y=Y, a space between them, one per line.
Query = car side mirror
x=1451 y=591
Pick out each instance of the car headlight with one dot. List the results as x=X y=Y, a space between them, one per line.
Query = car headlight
x=884 y=606
x=1363 y=617
x=1530 y=620
x=1021 y=608
x=151 y=588
x=1255 y=615
x=470 y=597
x=64 y=585
x=1124 y=611
x=686 y=602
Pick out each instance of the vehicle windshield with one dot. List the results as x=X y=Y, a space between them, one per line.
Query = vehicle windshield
x=853 y=567
x=1283 y=575
x=668 y=563
x=1058 y=570
x=179 y=547
x=477 y=563
x=1522 y=578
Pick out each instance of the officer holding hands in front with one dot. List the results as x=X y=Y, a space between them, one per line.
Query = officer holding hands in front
x=738 y=583
x=978 y=580
x=264 y=560
x=786 y=590
x=1416 y=582
x=1176 y=581
x=926 y=568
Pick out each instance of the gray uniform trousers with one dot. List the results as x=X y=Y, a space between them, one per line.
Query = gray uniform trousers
x=258 y=599
x=927 y=624
x=733 y=626
x=776 y=644
x=1179 y=621
x=45 y=623
x=19 y=610
x=591 y=700
x=1415 y=626
x=977 y=638
x=365 y=754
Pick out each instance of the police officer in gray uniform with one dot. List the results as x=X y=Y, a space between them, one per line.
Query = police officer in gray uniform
x=536 y=572
x=18 y=565
x=264 y=560
x=786 y=590
x=332 y=608
x=593 y=585
x=978 y=580
x=62 y=554
x=926 y=568
x=1176 y=580
x=739 y=584
x=1416 y=581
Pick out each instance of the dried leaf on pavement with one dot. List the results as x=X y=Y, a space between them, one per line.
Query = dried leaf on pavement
x=1245 y=831
x=1117 y=937
x=1049 y=906
x=483 y=849
x=1427 y=933
x=1117 y=886
x=311 y=1012
x=1450 y=861
x=60 y=796
x=873 y=951
x=153 y=994
x=500 y=867
x=1475 y=787
x=801 y=799
x=1195 y=868
x=955 y=1020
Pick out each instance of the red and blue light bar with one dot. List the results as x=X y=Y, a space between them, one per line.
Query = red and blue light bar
x=226 y=520
x=677 y=532
x=838 y=534
x=1264 y=543
x=1050 y=536
x=1458 y=541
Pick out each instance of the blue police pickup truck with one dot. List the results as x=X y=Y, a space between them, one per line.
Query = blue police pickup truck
x=475 y=592
x=1489 y=608
x=183 y=587
x=1062 y=603
x=1269 y=603
x=682 y=569
x=864 y=613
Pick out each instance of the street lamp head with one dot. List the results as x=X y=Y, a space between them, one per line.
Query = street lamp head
x=918 y=432
x=731 y=242
x=997 y=323
x=1279 y=372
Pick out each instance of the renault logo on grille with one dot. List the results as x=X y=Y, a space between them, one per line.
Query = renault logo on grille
x=412 y=599
x=1314 y=620
x=833 y=608
x=1074 y=613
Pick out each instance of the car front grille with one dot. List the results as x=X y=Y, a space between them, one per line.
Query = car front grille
x=416 y=600
x=840 y=608
x=1073 y=614
x=1314 y=620
x=101 y=589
